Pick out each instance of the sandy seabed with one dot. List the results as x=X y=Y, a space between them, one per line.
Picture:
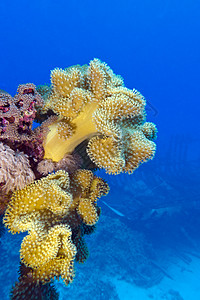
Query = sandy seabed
x=184 y=286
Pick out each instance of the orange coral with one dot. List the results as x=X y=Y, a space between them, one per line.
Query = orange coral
x=93 y=104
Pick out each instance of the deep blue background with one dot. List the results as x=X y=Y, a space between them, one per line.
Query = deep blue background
x=153 y=44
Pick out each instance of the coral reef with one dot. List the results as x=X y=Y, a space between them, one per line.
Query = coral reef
x=92 y=104
x=16 y=118
x=51 y=210
x=121 y=253
x=38 y=208
x=88 y=120
x=15 y=172
x=17 y=113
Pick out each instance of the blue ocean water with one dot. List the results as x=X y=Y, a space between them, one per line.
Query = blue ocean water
x=147 y=244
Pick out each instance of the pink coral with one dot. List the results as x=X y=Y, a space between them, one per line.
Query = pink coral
x=15 y=171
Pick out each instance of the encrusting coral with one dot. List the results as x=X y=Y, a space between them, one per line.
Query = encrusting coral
x=89 y=120
x=16 y=119
x=17 y=113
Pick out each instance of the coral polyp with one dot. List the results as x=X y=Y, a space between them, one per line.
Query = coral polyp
x=92 y=104
x=48 y=188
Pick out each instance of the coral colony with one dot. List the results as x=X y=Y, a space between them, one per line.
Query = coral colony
x=89 y=120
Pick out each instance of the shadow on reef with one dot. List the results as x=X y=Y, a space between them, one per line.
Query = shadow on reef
x=2 y=228
x=26 y=287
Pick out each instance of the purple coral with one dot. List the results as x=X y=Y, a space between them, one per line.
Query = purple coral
x=25 y=100
x=17 y=113
x=8 y=112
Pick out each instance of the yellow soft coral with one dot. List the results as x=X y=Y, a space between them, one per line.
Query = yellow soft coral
x=98 y=120
x=87 y=211
x=93 y=104
x=50 y=255
x=87 y=188
x=49 y=209
x=49 y=194
x=39 y=209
